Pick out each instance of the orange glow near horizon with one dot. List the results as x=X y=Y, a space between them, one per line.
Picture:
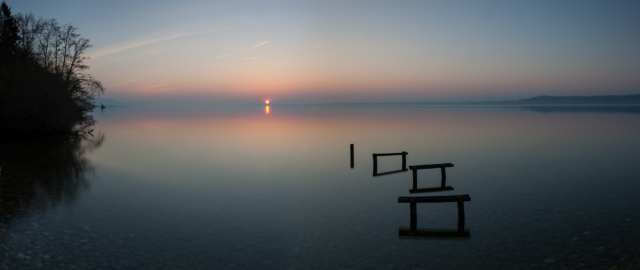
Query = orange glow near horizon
x=266 y=109
x=267 y=102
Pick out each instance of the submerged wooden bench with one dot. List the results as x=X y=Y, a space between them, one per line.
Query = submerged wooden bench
x=413 y=231
x=443 y=182
x=375 y=162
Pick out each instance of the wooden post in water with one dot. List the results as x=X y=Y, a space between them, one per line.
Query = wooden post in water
x=414 y=217
x=404 y=161
x=460 y=215
x=415 y=179
x=375 y=164
x=352 y=156
x=444 y=177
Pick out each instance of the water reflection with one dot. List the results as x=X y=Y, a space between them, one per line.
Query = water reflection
x=414 y=232
x=38 y=175
x=193 y=186
x=266 y=110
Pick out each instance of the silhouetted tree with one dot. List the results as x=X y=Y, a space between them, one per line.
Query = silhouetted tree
x=42 y=87
x=8 y=34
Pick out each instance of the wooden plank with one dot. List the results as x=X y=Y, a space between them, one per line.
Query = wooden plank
x=436 y=189
x=435 y=199
x=390 y=154
x=430 y=166
x=432 y=233
x=389 y=172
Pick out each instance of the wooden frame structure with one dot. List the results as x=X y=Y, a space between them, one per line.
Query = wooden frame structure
x=413 y=231
x=375 y=162
x=443 y=181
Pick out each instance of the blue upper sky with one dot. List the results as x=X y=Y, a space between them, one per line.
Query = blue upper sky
x=314 y=51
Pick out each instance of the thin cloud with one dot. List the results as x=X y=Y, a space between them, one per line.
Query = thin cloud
x=123 y=83
x=304 y=63
x=225 y=55
x=254 y=57
x=154 y=86
x=261 y=44
x=124 y=47
x=137 y=43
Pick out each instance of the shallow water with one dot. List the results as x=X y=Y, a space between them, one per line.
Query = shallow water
x=246 y=188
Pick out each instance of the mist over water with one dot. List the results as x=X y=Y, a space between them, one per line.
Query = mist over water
x=243 y=187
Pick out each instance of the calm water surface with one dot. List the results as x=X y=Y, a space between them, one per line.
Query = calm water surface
x=250 y=188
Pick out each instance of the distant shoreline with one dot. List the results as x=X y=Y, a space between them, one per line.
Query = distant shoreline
x=603 y=100
x=470 y=104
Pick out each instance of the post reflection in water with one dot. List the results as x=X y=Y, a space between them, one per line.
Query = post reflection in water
x=266 y=109
x=38 y=175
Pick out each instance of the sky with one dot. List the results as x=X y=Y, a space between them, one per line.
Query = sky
x=354 y=51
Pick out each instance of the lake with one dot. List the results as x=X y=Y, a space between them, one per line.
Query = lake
x=255 y=187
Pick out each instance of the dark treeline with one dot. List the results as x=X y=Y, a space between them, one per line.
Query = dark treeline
x=42 y=87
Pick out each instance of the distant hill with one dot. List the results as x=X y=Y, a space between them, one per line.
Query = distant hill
x=539 y=100
x=575 y=100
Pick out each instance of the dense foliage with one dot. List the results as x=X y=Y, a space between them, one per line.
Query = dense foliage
x=42 y=87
